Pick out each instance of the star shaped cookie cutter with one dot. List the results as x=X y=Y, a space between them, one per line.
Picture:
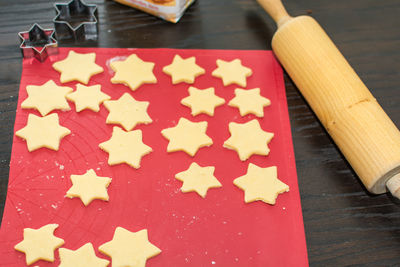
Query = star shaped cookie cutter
x=76 y=21
x=38 y=43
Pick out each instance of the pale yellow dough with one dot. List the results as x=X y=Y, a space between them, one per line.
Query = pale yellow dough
x=202 y=101
x=77 y=67
x=89 y=187
x=129 y=249
x=248 y=139
x=183 y=70
x=43 y=132
x=232 y=72
x=133 y=72
x=198 y=179
x=125 y=147
x=127 y=112
x=187 y=136
x=39 y=244
x=82 y=257
x=88 y=97
x=249 y=102
x=46 y=97
x=261 y=184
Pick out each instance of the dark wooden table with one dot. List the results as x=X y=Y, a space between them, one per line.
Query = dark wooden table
x=344 y=224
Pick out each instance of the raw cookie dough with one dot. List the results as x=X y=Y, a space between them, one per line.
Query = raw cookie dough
x=89 y=187
x=77 y=67
x=249 y=101
x=198 y=179
x=187 y=136
x=232 y=72
x=43 y=132
x=128 y=248
x=88 y=97
x=261 y=184
x=183 y=70
x=127 y=112
x=202 y=101
x=47 y=97
x=82 y=257
x=125 y=147
x=248 y=139
x=39 y=244
x=133 y=72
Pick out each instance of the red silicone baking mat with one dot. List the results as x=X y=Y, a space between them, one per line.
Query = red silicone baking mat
x=220 y=230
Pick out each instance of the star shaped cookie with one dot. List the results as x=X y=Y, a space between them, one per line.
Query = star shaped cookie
x=133 y=72
x=46 y=97
x=261 y=184
x=198 y=179
x=43 y=132
x=128 y=248
x=82 y=257
x=249 y=102
x=77 y=67
x=89 y=187
x=88 y=97
x=125 y=147
x=183 y=70
x=187 y=136
x=248 y=139
x=39 y=244
x=127 y=112
x=202 y=101
x=232 y=72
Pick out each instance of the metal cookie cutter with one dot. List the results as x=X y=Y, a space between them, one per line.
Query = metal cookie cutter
x=76 y=21
x=38 y=43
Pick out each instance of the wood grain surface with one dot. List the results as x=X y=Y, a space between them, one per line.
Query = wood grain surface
x=344 y=224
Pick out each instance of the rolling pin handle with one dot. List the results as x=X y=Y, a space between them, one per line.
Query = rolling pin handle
x=393 y=184
x=276 y=10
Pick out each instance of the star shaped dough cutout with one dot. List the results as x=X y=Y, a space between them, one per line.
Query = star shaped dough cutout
x=43 y=132
x=82 y=257
x=198 y=179
x=89 y=187
x=133 y=72
x=39 y=244
x=127 y=112
x=129 y=249
x=187 y=136
x=46 y=97
x=77 y=67
x=88 y=97
x=249 y=102
x=125 y=147
x=183 y=70
x=202 y=101
x=261 y=184
x=248 y=139
x=232 y=72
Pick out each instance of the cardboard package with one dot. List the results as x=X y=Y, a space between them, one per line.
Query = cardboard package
x=170 y=10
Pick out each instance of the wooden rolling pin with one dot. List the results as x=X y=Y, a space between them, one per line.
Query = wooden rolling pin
x=351 y=115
